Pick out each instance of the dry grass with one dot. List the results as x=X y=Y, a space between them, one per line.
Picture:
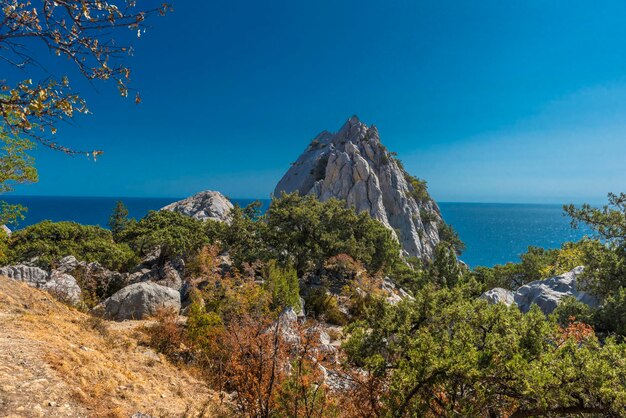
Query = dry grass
x=89 y=367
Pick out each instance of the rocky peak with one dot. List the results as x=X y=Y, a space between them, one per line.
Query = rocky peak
x=204 y=205
x=354 y=166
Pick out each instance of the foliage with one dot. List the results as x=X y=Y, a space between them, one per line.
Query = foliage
x=119 y=220
x=304 y=231
x=448 y=235
x=244 y=237
x=445 y=269
x=282 y=284
x=235 y=334
x=174 y=233
x=48 y=242
x=323 y=306
x=16 y=167
x=4 y=247
x=605 y=264
x=537 y=264
x=609 y=221
x=418 y=188
x=444 y=355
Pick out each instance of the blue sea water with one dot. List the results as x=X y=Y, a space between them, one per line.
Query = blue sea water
x=494 y=233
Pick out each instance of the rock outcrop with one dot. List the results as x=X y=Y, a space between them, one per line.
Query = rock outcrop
x=64 y=287
x=138 y=301
x=97 y=278
x=354 y=166
x=202 y=206
x=34 y=276
x=498 y=295
x=547 y=293
x=5 y=229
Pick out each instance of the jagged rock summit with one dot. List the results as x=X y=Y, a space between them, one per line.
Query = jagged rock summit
x=204 y=205
x=354 y=166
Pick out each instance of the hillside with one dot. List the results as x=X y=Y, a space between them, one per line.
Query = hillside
x=58 y=362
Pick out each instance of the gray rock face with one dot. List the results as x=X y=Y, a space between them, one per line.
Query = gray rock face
x=548 y=293
x=5 y=229
x=170 y=274
x=139 y=301
x=354 y=166
x=34 y=276
x=63 y=287
x=498 y=295
x=105 y=281
x=203 y=205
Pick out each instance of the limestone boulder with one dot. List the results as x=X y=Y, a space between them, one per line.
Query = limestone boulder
x=549 y=292
x=64 y=287
x=498 y=295
x=139 y=301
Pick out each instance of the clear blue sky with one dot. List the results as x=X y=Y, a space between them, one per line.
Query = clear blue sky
x=488 y=101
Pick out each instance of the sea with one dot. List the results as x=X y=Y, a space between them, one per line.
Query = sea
x=494 y=233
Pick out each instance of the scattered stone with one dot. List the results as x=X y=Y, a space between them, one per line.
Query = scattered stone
x=202 y=206
x=138 y=301
x=354 y=166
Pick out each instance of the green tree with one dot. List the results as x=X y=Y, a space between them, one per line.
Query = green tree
x=445 y=269
x=605 y=263
x=119 y=220
x=449 y=235
x=245 y=237
x=306 y=232
x=283 y=285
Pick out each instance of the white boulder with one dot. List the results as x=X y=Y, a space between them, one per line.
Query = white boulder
x=138 y=301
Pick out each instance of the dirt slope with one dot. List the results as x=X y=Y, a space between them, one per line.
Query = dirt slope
x=58 y=362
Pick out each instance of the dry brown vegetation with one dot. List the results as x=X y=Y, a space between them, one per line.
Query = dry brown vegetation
x=56 y=361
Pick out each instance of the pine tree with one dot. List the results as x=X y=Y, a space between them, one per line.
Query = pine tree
x=119 y=219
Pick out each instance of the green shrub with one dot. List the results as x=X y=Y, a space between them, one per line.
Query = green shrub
x=4 y=248
x=323 y=305
x=174 y=233
x=448 y=235
x=50 y=241
x=282 y=283
x=306 y=232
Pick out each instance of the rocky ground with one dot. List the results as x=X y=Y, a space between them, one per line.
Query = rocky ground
x=58 y=362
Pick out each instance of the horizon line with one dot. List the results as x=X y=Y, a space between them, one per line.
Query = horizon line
x=176 y=198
